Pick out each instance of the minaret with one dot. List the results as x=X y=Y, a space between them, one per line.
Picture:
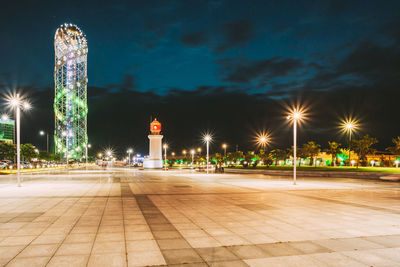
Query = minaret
x=154 y=161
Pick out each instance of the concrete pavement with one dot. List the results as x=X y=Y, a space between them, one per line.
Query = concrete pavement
x=121 y=217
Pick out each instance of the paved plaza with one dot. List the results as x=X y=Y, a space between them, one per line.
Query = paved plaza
x=122 y=217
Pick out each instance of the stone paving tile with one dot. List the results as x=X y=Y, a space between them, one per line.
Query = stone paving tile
x=107 y=260
x=249 y=252
x=236 y=263
x=216 y=254
x=141 y=245
x=177 y=243
x=74 y=249
x=145 y=258
x=69 y=261
x=279 y=249
x=31 y=262
x=181 y=256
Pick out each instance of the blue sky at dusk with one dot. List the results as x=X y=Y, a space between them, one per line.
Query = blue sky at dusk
x=187 y=44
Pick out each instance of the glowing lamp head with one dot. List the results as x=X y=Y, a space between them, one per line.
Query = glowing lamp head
x=165 y=146
x=207 y=138
x=41 y=132
x=14 y=102
x=26 y=106
x=155 y=127
x=192 y=151
x=4 y=117
x=129 y=150
x=224 y=146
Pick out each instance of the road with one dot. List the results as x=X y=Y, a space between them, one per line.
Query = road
x=127 y=217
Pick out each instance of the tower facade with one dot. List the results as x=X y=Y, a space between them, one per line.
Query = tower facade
x=70 y=101
x=154 y=161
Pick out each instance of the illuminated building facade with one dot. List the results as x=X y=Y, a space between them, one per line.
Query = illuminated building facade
x=70 y=102
x=7 y=127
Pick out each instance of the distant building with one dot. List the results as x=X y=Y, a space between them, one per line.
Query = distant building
x=7 y=130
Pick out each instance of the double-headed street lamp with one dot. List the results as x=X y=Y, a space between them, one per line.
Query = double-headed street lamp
x=207 y=138
x=42 y=133
x=16 y=102
x=295 y=116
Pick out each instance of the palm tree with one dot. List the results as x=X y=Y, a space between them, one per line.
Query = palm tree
x=311 y=149
x=333 y=150
x=363 y=147
x=277 y=154
x=396 y=148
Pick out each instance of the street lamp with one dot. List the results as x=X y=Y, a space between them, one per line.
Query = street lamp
x=295 y=116
x=262 y=139
x=86 y=153
x=100 y=155
x=47 y=139
x=207 y=138
x=165 y=146
x=397 y=163
x=349 y=126
x=192 y=152
x=18 y=103
x=129 y=151
x=224 y=146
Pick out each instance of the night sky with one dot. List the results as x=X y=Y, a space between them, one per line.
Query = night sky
x=228 y=67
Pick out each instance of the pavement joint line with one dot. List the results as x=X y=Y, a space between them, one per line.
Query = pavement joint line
x=346 y=203
x=98 y=227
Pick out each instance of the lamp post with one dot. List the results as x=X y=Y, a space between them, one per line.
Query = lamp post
x=349 y=126
x=47 y=139
x=86 y=153
x=129 y=151
x=18 y=103
x=165 y=146
x=224 y=146
x=295 y=116
x=192 y=152
x=207 y=138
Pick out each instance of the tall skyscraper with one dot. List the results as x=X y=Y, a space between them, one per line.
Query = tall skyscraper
x=70 y=101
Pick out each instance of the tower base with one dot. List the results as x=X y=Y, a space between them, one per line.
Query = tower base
x=152 y=164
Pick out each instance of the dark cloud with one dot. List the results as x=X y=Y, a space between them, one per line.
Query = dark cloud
x=194 y=39
x=229 y=35
x=261 y=71
x=234 y=34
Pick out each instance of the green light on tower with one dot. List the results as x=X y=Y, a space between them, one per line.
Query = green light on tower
x=70 y=101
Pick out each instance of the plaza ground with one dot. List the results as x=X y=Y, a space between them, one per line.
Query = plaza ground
x=122 y=217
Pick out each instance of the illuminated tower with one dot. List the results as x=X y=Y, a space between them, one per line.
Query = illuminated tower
x=70 y=102
x=155 y=152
